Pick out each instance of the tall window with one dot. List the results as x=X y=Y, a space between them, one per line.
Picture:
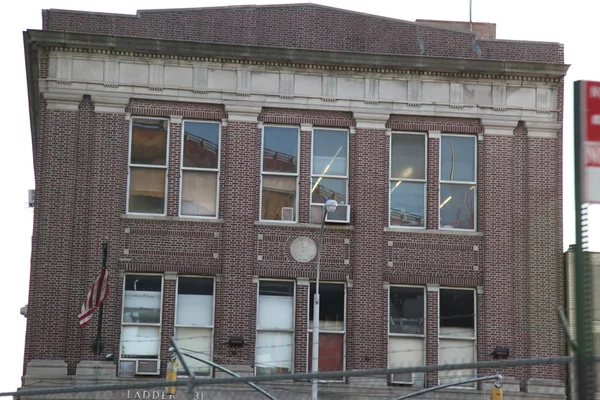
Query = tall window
x=279 y=173
x=332 y=327
x=329 y=172
x=408 y=170
x=407 y=329
x=141 y=318
x=275 y=328
x=457 y=333
x=458 y=182
x=194 y=320
x=200 y=169
x=148 y=153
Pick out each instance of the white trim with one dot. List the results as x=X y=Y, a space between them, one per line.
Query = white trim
x=496 y=127
x=398 y=180
x=217 y=171
x=165 y=167
x=463 y=183
x=433 y=287
x=434 y=134
x=211 y=327
x=285 y=174
x=338 y=177
x=176 y=119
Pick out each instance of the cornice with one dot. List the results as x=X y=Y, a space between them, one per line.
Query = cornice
x=294 y=58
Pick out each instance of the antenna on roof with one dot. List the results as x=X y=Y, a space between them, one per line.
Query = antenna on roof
x=470 y=15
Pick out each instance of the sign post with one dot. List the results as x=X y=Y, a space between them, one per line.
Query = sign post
x=587 y=190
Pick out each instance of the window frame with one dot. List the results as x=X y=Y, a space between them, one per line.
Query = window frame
x=285 y=174
x=195 y=169
x=319 y=177
x=458 y=183
x=343 y=332
x=472 y=339
x=406 y=335
x=211 y=327
x=423 y=181
x=159 y=324
x=292 y=331
x=165 y=167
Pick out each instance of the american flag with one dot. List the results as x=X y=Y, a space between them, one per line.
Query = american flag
x=94 y=298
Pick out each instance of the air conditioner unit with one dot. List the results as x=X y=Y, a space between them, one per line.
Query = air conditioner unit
x=341 y=215
x=416 y=379
x=287 y=213
x=130 y=368
x=31 y=197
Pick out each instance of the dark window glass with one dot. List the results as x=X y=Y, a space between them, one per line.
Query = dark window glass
x=331 y=308
x=276 y=288
x=407 y=310
x=408 y=156
x=200 y=145
x=457 y=312
x=191 y=285
x=280 y=149
x=144 y=283
x=458 y=158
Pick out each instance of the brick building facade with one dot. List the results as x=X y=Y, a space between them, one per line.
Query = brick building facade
x=203 y=142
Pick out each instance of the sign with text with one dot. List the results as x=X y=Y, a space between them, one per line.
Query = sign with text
x=590 y=140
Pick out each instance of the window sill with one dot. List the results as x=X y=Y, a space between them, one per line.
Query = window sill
x=304 y=225
x=433 y=231
x=168 y=218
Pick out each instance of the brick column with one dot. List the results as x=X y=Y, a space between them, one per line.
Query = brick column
x=168 y=318
x=433 y=292
x=174 y=165
x=301 y=325
x=433 y=176
x=305 y=181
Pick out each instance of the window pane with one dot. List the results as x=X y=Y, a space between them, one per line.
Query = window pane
x=457 y=313
x=407 y=310
x=329 y=152
x=331 y=351
x=200 y=144
x=458 y=158
x=408 y=156
x=277 y=192
x=140 y=342
x=456 y=352
x=331 y=309
x=273 y=353
x=149 y=141
x=457 y=206
x=142 y=300
x=147 y=190
x=407 y=202
x=324 y=189
x=194 y=301
x=407 y=352
x=196 y=341
x=280 y=151
x=275 y=305
x=199 y=193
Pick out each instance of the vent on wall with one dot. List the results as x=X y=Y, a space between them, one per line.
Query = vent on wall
x=287 y=213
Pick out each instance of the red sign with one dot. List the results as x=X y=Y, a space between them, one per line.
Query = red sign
x=592 y=110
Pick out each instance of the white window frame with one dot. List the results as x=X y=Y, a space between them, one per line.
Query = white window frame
x=284 y=174
x=293 y=331
x=458 y=183
x=394 y=182
x=407 y=335
x=158 y=325
x=211 y=326
x=130 y=165
x=472 y=339
x=194 y=169
x=322 y=330
x=319 y=177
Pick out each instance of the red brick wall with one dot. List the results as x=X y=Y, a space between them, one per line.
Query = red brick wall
x=301 y=26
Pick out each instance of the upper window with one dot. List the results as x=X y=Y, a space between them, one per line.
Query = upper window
x=458 y=182
x=408 y=177
x=457 y=333
x=275 y=327
x=329 y=173
x=406 y=342
x=332 y=328
x=148 y=154
x=141 y=317
x=200 y=169
x=194 y=320
x=279 y=192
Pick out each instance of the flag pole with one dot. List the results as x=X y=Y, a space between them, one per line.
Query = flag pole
x=98 y=344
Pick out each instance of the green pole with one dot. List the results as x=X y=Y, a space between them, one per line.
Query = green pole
x=584 y=353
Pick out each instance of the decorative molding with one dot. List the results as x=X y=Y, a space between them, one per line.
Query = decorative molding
x=434 y=134
x=110 y=104
x=64 y=70
x=413 y=92
x=302 y=281
x=480 y=137
x=367 y=120
x=200 y=79
x=457 y=94
x=176 y=119
x=170 y=276
x=543 y=99
x=243 y=82
x=547 y=130
x=479 y=289
x=499 y=97
x=286 y=85
x=242 y=113
x=62 y=102
x=156 y=75
x=111 y=73
x=371 y=90
x=306 y=127
x=499 y=127
x=433 y=287
x=329 y=87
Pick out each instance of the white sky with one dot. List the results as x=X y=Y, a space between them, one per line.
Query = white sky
x=572 y=23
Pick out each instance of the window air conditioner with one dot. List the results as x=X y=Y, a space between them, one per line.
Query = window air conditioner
x=146 y=367
x=341 y=215
x=287 y=213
